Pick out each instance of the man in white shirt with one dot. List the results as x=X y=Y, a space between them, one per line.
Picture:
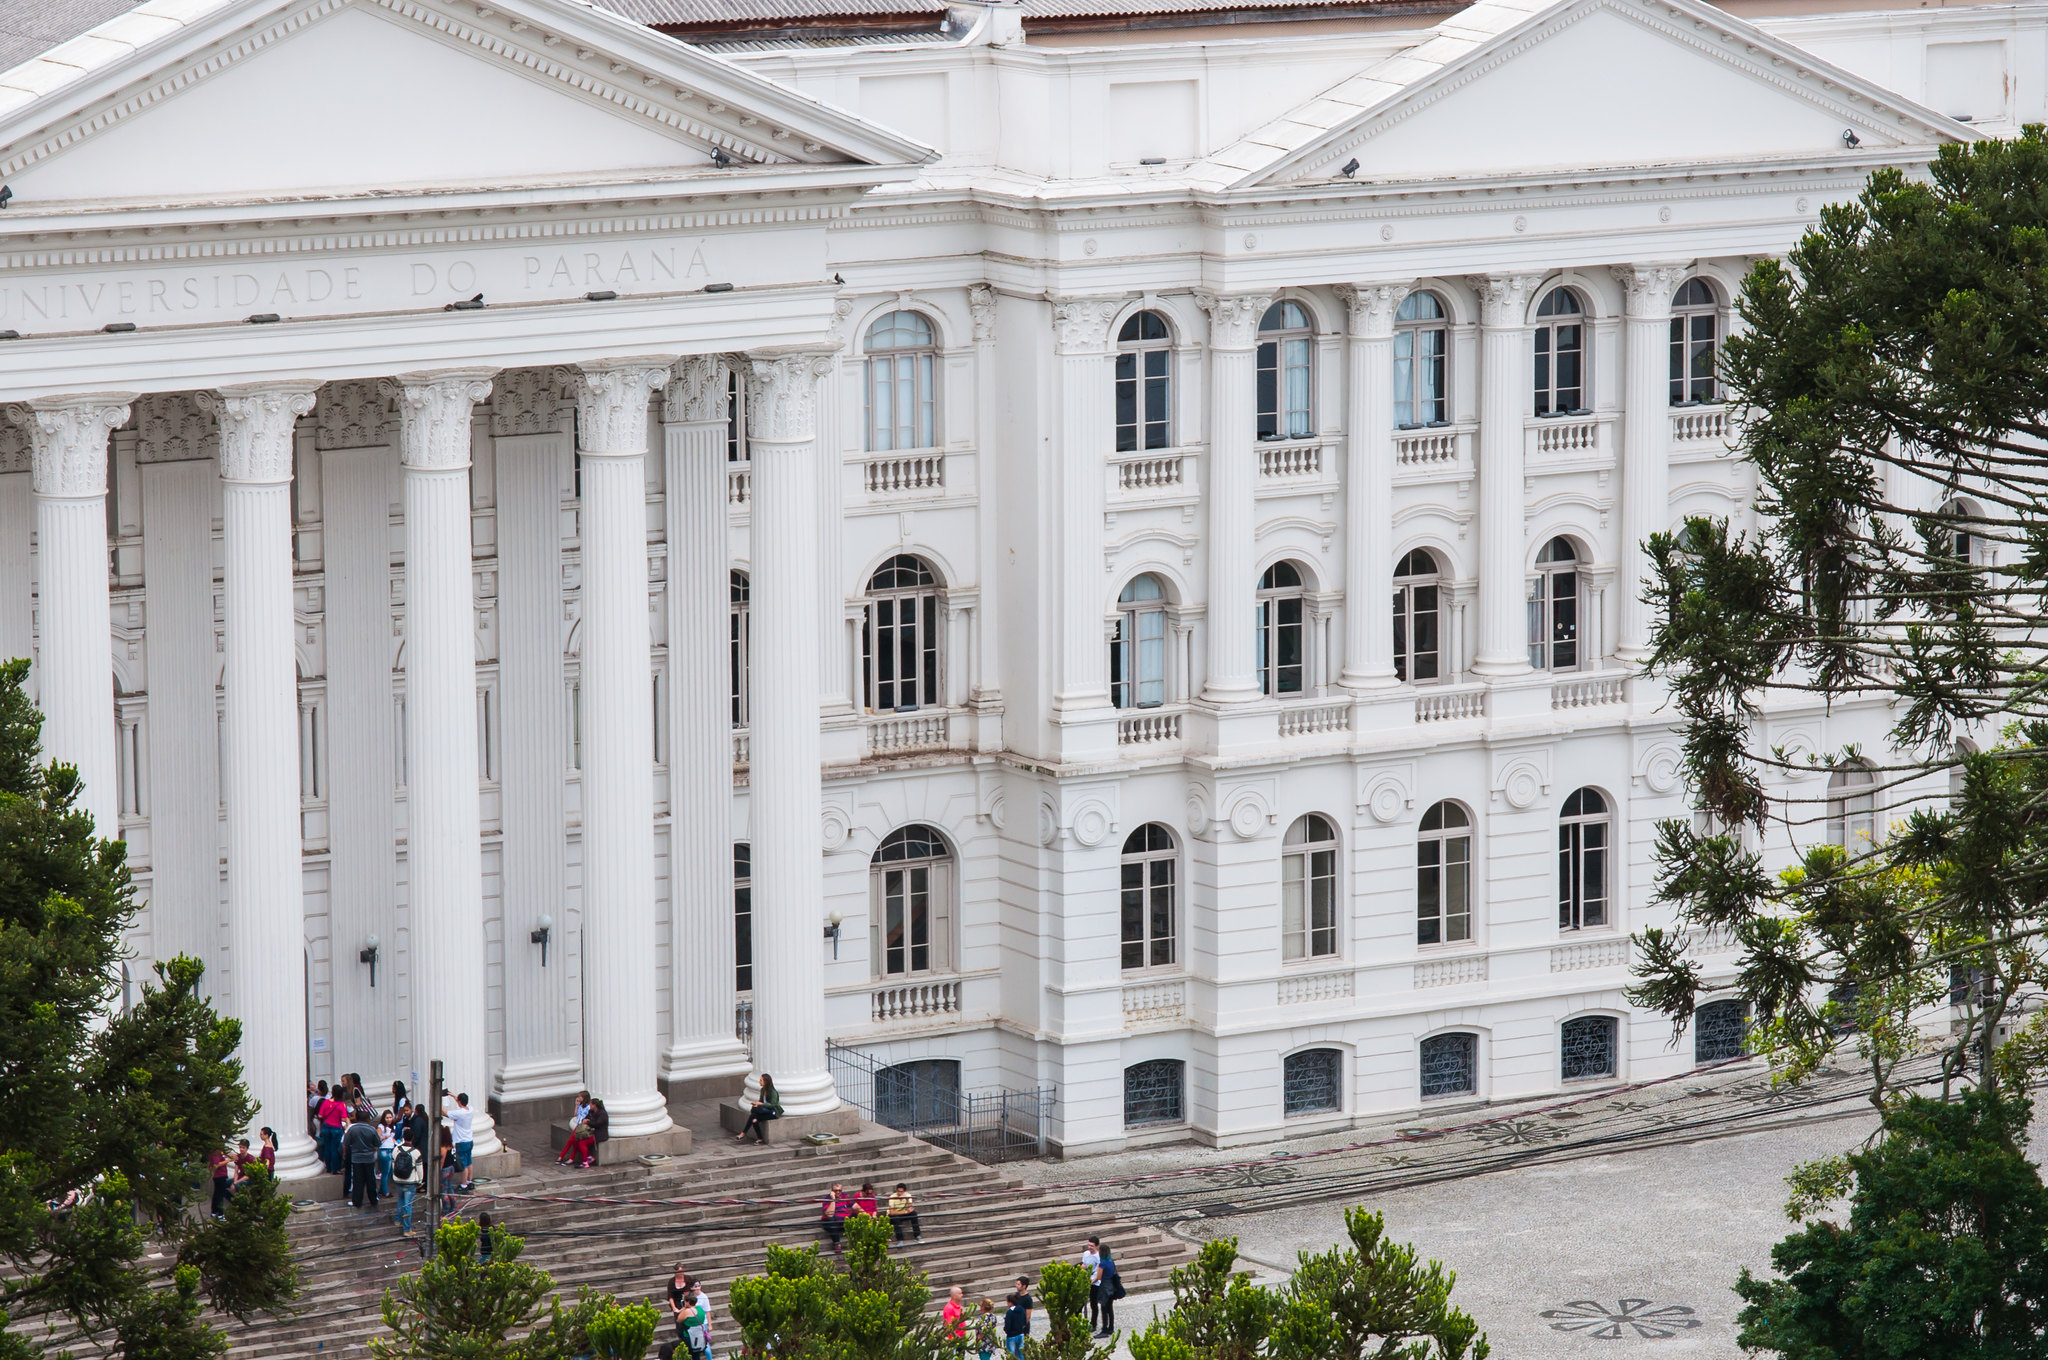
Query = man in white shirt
x=1090 y=1260
x=462 y=1128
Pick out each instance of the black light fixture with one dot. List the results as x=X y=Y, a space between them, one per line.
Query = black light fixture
x=264 y=318
x=601 y=295
x=719 y=158
x=1350 y=168
x=118 y=327
x=718 y=288
x=542 y=932
x=10 y=335
x=475 y=304
x=1850 y=139
x=6 y=193
x=368 y=954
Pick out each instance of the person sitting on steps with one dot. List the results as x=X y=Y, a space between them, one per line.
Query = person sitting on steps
x=903 y=1213
x=768 y=1107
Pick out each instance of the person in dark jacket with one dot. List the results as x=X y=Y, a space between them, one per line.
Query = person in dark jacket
x=359 y=1144
x=768 y=1107
x=600 y=1122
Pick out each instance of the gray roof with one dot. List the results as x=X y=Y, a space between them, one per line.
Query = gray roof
x=29 y=28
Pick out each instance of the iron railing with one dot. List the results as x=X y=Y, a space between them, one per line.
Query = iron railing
x=923 y=1098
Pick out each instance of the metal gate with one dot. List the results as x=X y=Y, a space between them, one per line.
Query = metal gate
x=923 y=1098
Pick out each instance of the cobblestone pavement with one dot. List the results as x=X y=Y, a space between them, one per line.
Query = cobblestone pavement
x=1613 y=1225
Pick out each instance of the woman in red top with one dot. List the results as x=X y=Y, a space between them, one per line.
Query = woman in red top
x=864 y=1202
x=269 y=1154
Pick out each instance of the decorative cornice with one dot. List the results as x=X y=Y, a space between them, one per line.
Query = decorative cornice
x=1647 y=288
x=174 y=427
x=1504 y=298
x=1370 y=307
x=256 y=426
x=1081 y=325
x=434 y=415
x=68 y=442
x=529 y=401
x=611 y=404
x=981 y=305
x=1234 y=321
x=782 y=395
x=699 y=391
x=354 y=415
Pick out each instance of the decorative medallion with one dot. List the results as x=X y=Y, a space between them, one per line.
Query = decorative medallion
x=1643 y=1319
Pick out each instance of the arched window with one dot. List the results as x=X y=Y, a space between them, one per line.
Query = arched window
x=1443 y=876
x=1286 y=349
x=900 y=637
x=1137 y=652
x=1554 y=608
x=1560 y=354
x=1421 y=362
x=1695 y=343
x=1283 y=631
x=1956 y=538
x=1155 y=1092
x=741 y=648
x=1147 y=905
x=1144 y=384
x=1308 y=889
x=743 y=916
x=910 y=895
x=1450 y=1065
x=1720 y=1031
x=1582 y=837
x=1588 y=1048
x=902 y=365
x=1418 y=597
x=1852 y=809
x=1312 y=1081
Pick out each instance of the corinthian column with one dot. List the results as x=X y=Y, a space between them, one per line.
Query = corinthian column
x=74 y=671
x=266 y=890
x=785 y=799
x=1233 y=483
x=703 y=1048
x=1504 y=404
x=444 y=835
x=1645 y=438
x=1087 y=433
x=1369 y=486
x=619 y=1041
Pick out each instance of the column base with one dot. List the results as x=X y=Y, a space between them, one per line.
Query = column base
x=704 y=1069
x=791 y=1127
x=725 y=1086
x=673 y=1141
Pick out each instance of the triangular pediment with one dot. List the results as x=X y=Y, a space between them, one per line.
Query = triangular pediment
x=1507 y=87
x=257 y=98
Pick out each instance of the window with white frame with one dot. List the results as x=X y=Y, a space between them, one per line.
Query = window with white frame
x=743 y=916
x=1554 y=608
x=1144 y=384
x=1147 y=906
x=1583 y=832
x=1852 y=809
x=900 y=637
x=910 y=887
x=1418 y=604
x=1560 y=344
x=1695 y=343
x=902 y=363
x=1137 y=651
x=1955 y=537
x=1308 y=889
x=1421 y=362
x=741 y=663
x=1443 y=876
x=1283 y=631
x=1286 y=358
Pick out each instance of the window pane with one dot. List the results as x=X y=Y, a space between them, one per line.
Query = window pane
x=920 y=919
x=1401 y=606
x=1289 y=667
x=1293 y=922
x=1567 y=884
x=1404 y=379
x=1268 y=387
x=1424 y=598
x=1458 y=888
x=1295 y=369
x=1132 y=909
x=892 y=921
x=1428 y=892
x=1429 y=378
x=1151 y=658
x=1126 y=402
x=1322 y=921
x=1564 y=620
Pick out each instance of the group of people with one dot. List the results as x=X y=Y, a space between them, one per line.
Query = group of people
x=230 y=1171
x=376 y=1152
x=690 y=1306
x=975 y=1329
x=839 y=1206
x=589 y=1125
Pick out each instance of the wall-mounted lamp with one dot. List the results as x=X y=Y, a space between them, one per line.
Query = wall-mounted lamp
x=541 y=934
x=832 y=931
x=368 y=954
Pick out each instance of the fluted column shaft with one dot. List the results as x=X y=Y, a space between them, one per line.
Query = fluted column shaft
x=785 y=800
x=266 y=890
x=1087 y=433
x=68 y=475
x=1229 y=499
x=444 y=833
x=1646 y=439
x=1504 y=404
x=702 y=986
x=1369 y=486
x=620 y=1043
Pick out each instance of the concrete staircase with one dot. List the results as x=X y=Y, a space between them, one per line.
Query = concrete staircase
x=980 y=1241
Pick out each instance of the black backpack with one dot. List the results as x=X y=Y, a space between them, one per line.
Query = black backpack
x=401 y=1163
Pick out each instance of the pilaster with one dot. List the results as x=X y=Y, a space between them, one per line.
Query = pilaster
x=1645 y=438
x=1087 y=392
x=1504 y=405
x=1230 y=497
x=1369 y=485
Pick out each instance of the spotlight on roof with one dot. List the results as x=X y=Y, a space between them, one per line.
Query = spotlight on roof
x=5 y=194
x=719 y=158
x=1850 y=139
x=475 y=304
x=1350 y=168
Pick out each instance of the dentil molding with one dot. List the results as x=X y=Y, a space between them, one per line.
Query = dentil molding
x=68 y=441
x=256 y=425
x=434 y=412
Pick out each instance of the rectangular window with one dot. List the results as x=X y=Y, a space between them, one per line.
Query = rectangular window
x=1554 y=621
x=743 y=917
x=1415 y=633
x=1582 y=875
x=1142 y=417
x=1443 y=890
x=1692 y=358
x=1137 y=659
x=1283 y=663
x=907 y=920
x=1419 y=378
x=1146 y=911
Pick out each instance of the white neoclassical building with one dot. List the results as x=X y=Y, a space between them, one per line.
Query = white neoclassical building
x=1087 y=544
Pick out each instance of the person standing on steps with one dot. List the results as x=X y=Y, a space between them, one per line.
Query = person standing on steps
x=768 y=1107
x=333 y=1117
x=387 y=1143
x=903 y=1213
x=679 y=1298
x=985 y=1339
x=223 y=1180
x=408 y=1173
x=268 y=1156
x=953 y=1317
x=462 y=1124
x=360 y=1144
x=1090 y=1259
x=1017 y=1318
x=1109 y=1287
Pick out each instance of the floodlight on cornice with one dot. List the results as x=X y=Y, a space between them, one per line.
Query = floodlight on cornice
x=1850 y=139
x=719 y=158
x=6 y=193
x=1350 y=168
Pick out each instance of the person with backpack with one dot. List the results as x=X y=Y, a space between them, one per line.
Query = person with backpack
x=1017 y=1318
x=1109 y=1286
x=408 y=1173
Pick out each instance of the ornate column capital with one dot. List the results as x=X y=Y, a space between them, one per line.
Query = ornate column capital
x=68 y=441
x=1081 y=325
x=256 y=424
x=1647 y=288
x=1504 y=298
x=782 y=394
x=611 y=403
x=696 y=394
x=1234 y=321
x=981 y=305
x=1371 y=307
x=434 y=414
